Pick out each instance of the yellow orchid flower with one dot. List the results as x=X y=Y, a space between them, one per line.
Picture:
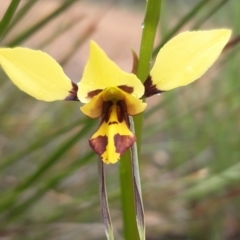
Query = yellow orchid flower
x=108 y=92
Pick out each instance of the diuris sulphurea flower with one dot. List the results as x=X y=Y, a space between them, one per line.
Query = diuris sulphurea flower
x=109 y=93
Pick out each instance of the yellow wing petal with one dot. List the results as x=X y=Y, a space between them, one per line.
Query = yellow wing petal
x=100 y=72
x=36 y=73
x=187 y=57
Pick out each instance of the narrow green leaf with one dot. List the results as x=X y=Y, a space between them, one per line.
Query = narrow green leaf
x=39 y=143
x=104 y=201
x=28 y=32
x=16 y=210
x=213 y=183
x=137 y=187
x=20 y=14
x=8 y=16
x=51 y=160
x=78 y=42
x=60 y=31
x=209 y=14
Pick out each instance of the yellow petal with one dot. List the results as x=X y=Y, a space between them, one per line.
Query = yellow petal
x=187 y=57
x=113 y=136
x=95 y=108
x=134 y=105
x=35 y=73
x=100 y=72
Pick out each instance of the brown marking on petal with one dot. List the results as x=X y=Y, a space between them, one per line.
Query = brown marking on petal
x=93 y=93
x=150 y=89
x=114 y=122
x=105 y=110
x=73 y=93
x=99 y=144
x=122 y=112
x=126 y=88
x=122 y=143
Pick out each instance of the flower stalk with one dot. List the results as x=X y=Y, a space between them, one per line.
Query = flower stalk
x=136 y=229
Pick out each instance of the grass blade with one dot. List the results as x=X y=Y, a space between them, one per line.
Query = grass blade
x=39 y=143
x=16 y=210
x=8 y=16
x=28 y=32
x=20 y=14
x=209 y=14
x=51 y=160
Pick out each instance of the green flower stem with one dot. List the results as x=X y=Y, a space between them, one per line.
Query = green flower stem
x=127 y=193
x=8 y=16
x=127 y=198
x=148 y=35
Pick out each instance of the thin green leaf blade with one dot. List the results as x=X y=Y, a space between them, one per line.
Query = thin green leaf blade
x=104 y=202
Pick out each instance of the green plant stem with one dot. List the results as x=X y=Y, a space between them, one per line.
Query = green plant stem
x=127 y=193
x=127 y=198
x=148 y=35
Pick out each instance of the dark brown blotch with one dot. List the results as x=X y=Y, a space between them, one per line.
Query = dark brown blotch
x=93 y=93
x=122 y=112
x=73 y=93
x=150 y=88
x=126 y=88
x=106 y=111
x=99 y=144
x=113 y=122
x=123 y=142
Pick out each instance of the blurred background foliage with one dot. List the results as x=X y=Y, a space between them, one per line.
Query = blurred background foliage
x=190 y=163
